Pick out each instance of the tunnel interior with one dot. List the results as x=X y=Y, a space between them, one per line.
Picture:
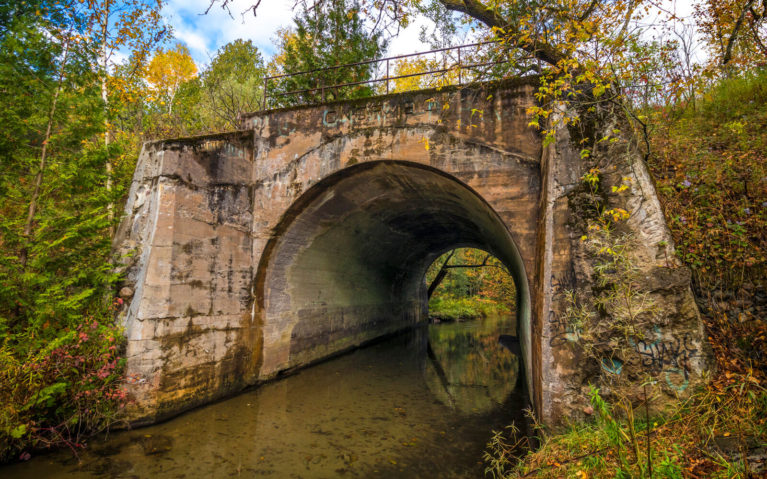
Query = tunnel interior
x=347 y=261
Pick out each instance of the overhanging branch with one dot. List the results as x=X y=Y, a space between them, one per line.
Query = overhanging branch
x=490 y=17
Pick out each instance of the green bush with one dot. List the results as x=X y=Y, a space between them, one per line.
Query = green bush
x=57 y=394
x=447 y=308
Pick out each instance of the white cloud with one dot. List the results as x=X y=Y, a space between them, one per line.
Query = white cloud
x=206 y=33
x=203 y=33
x=197 y=44
x=408 y=41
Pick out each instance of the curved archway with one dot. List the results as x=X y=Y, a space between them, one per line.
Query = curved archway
x=346 y=262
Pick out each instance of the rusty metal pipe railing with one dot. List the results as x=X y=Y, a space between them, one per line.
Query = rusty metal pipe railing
x=322 y=88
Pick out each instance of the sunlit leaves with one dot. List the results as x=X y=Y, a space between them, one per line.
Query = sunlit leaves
x=168 y=70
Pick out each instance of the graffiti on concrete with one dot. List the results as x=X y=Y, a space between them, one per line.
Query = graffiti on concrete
x=670 y=356
x=563 y=330
x=612 y=366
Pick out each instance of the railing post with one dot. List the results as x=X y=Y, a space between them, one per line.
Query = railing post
x=263 y=104
x=460 y=66
x=387 y=76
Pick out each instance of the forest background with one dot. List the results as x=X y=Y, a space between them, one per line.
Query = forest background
x=83 y=83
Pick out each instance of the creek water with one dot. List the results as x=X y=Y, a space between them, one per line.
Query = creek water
x=421 y=404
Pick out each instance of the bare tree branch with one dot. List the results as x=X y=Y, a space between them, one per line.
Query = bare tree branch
x=440 y=275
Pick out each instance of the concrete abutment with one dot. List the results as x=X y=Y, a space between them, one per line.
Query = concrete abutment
x=309 y=232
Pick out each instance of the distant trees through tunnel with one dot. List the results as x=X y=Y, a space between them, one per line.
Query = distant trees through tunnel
x=468 y=283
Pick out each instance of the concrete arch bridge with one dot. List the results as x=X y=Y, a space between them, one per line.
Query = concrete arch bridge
x=308 y=232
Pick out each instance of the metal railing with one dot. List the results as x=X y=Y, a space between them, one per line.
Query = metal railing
x=322 y=89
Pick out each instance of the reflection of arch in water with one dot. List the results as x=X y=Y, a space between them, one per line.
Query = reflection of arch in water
x=347 y=261
x=468 y=368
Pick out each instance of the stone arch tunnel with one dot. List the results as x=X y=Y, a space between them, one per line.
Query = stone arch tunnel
x=308 y=232
x=348 y=260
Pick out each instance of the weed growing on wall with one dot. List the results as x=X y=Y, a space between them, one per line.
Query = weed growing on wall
x=615 y=324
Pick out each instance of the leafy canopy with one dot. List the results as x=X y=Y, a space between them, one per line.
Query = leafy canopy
x=168 y=70
x=233 y=84
x=328 y=35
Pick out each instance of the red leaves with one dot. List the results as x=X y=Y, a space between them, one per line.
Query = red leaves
x=84 y=369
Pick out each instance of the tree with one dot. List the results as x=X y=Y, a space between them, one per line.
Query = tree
x=411 y=70
x=168 y=70
x=232 y=84
x=133 y=25
x=471 y=272
x=573 y=44
x=55 y=273
x=331 y=34
x=735 y=31
x=51 y=110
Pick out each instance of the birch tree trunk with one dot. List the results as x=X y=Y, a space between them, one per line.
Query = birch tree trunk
x=105 y=99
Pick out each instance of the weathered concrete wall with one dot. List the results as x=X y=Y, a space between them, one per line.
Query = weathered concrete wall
x=351 y=264
x=186 y=242
x=482 y=140
x=309 y=232
x=614 y=306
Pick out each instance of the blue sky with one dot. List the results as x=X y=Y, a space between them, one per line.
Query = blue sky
x=204 y=34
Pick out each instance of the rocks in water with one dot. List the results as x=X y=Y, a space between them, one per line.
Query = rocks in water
x=155 y=444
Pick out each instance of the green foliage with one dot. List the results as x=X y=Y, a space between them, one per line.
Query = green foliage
x=233 y=84
x=213 y=101
x=457 y=309
x=710 y=167
x=55 y=274
x=476 y=285
x=504 y=450
x=331 y=34
x=60 y=392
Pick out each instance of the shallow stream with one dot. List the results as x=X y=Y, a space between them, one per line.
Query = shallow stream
x=422 y=404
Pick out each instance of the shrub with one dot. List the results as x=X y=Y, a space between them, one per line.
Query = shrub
x=55 y=395
x=447 y=308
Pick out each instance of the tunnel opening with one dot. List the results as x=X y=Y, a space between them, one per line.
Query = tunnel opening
x=347 y=262
x=468 y=284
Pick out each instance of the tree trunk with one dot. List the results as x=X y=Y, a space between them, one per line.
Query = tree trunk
x=735 y=31
x=105 y=99
x=440 y=276
x=33 y=201
x=445 y=267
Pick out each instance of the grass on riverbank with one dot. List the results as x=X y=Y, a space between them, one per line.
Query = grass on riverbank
x=446 y=308
x=719 y=432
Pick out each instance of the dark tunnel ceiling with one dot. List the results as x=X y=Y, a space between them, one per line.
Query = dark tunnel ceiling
x=375 y=228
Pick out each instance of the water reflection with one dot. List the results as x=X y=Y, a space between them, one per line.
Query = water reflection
x=468 y=368
x=382 y=411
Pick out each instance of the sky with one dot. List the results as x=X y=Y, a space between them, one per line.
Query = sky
x=204 y=34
